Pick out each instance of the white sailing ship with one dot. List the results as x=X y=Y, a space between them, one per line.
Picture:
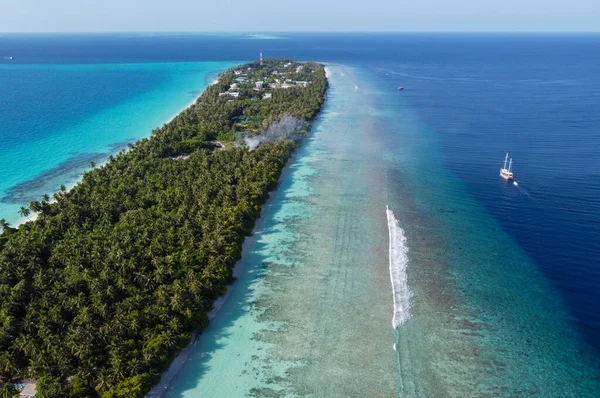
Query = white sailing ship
x=507 y=173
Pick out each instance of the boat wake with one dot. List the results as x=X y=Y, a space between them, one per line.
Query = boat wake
x=398 y=265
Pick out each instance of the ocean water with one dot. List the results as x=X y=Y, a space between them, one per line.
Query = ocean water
x=314 y=314
x=466 y=285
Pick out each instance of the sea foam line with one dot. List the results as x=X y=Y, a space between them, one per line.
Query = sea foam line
x=398 y=266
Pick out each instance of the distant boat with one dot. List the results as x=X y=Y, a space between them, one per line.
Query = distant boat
x=9 y=58
x=505 y=173
x=516 y=184
x=400 y=88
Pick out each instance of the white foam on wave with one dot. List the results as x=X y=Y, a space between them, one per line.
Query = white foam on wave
x=398 y=266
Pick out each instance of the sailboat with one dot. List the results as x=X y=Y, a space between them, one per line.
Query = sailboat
x=505 y=173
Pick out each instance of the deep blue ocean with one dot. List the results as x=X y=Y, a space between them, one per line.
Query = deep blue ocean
x=535 y=96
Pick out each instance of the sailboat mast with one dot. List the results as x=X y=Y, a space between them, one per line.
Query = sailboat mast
x=510 y=165
x=505 y=160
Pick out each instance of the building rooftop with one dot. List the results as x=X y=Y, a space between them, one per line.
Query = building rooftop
x=28 y=391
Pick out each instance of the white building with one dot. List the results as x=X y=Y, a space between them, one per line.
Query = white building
x=267 y=96
x=259 y=85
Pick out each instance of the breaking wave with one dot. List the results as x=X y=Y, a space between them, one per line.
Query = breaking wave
x=398 y=265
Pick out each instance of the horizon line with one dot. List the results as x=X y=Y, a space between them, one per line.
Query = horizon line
x=311 y=32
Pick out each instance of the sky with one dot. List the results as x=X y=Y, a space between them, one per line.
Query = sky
x=298 y=15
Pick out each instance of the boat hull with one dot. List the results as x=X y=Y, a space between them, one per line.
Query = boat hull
x=507 y=175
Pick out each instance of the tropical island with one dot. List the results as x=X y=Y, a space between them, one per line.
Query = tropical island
x=101 y=291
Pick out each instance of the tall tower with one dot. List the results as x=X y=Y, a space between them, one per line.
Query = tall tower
x=261 y=58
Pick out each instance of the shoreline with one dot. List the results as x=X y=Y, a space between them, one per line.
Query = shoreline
x=208 y=81
x=284 y=329
x=179 y=361
x=213 y=82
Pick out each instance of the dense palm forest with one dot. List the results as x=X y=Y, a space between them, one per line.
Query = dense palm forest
x=101 y=291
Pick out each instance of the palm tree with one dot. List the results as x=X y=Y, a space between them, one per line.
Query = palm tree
x=35 y=206
x=103 y=380
x=4 y=224
x=24 y=212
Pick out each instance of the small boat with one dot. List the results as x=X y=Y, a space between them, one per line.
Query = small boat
x=507 y=173
x=395 y=347
x=400 y=88
x=9 y=58
x=516 y=184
